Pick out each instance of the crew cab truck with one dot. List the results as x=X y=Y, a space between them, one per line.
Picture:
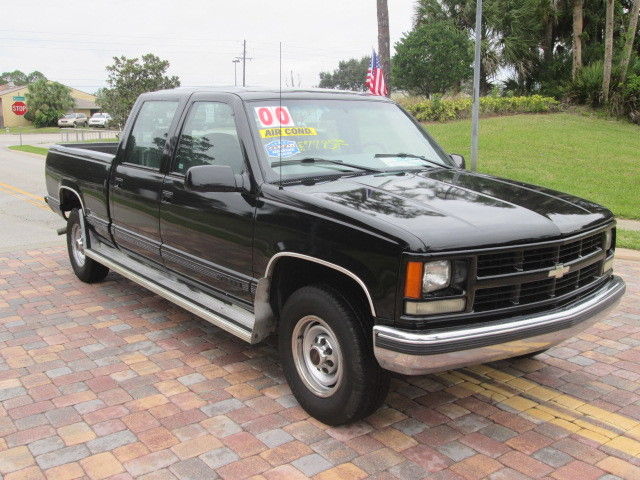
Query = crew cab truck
x=333 y=220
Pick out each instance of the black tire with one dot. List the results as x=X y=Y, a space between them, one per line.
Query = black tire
x=363 y=385
x=88 y=270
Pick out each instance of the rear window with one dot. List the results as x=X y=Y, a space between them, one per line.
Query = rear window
x=146 y=143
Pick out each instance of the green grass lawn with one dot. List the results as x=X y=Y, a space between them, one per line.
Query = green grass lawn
x=594 y=158
x=628 y=239
x=29 y=149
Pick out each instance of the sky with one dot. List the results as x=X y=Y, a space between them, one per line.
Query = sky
x=71 y=42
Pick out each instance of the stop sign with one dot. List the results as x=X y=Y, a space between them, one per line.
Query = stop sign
x=19 y=108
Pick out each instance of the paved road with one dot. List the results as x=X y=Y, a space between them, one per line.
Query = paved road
x=25 y=220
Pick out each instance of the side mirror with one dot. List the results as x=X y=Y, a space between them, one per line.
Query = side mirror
x=211 y=178
x=458 y=160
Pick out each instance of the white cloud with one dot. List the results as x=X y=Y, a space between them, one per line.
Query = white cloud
x=73 y=41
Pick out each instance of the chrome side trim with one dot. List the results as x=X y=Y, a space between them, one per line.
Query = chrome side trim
x=417 y=353
x=212 y=317
x=350 y=274
x=126 y=237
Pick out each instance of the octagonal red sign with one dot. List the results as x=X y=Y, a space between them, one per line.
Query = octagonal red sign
x=19 y=108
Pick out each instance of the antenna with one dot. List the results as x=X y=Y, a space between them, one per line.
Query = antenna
x=279 y=116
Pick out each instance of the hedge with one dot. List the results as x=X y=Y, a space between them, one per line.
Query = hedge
x=441 y=110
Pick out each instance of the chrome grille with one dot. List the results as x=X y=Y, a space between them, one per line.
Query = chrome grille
x=523 y=260
x=521 y=276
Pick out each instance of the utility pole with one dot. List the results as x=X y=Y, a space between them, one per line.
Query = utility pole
x=235 y=70
x=244 y=63
x=475 y=111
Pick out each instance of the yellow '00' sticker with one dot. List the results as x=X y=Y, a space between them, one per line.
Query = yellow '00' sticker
x=287 y=132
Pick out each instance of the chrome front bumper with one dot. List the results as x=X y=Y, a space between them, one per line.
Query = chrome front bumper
x=420 y=352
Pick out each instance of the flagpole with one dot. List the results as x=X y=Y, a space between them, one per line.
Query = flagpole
x=475 y=111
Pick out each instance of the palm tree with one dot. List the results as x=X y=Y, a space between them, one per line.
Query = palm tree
x=630 y=36
x=383 y=40
x=577 y=37
x=608 y=50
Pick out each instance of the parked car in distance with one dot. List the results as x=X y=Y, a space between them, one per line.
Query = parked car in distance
x=73 y=120
x=100 y=119
x=334 y=220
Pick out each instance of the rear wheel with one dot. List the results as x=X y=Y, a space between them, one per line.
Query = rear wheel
x=85 y=268
x=327 y=356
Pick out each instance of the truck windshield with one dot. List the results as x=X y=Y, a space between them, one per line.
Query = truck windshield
x=377 y=136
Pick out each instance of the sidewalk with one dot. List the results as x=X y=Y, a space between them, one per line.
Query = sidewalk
x=625 y=224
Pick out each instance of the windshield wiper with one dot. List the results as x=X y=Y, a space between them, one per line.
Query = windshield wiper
x=327 y=161
x=410 y=155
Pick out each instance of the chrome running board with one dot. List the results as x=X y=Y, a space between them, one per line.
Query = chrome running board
x=227 y=316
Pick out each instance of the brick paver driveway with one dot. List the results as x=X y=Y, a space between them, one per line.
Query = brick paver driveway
x=110 y=381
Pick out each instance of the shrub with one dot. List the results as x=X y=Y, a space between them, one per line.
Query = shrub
x=441 y=110
x=586 y=88
x=626 y=101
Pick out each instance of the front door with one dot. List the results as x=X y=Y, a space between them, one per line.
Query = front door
x=137 y=180
x=208 y=235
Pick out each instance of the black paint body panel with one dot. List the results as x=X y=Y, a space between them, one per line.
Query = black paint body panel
x=369 y=224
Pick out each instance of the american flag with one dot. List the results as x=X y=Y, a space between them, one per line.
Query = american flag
x=375 y=77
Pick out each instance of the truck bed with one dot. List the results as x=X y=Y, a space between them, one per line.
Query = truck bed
x=82 y=168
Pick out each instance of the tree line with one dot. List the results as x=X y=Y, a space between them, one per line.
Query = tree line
x=127 y=78
x=584 y=51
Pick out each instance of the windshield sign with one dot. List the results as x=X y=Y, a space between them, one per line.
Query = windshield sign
x=310 y=138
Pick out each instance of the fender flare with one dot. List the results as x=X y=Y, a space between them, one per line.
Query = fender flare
x=75 y=192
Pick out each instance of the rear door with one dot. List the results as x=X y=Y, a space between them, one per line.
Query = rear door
x=208 y=236
x=136 y=180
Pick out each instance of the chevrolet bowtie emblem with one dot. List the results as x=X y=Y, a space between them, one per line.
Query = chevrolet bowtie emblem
x=559 y=271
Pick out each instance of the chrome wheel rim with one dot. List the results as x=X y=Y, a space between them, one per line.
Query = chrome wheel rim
x=317 y=355
x=77 y=245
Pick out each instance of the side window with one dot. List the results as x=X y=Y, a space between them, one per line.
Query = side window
x=149 y=134
x=209 y=137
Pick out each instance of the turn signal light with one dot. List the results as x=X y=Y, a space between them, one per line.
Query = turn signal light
x=413 y=280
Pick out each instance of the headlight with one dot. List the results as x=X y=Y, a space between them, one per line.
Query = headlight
x=436 y=276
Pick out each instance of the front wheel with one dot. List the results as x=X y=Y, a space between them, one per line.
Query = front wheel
x=327 y=357
x=85 y=268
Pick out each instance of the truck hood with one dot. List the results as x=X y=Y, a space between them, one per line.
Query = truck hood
x=449 y=209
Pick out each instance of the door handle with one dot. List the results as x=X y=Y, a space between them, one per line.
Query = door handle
x=167 y=195
x=117 y=182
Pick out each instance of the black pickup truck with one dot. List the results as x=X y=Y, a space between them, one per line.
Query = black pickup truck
x=334 y=220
